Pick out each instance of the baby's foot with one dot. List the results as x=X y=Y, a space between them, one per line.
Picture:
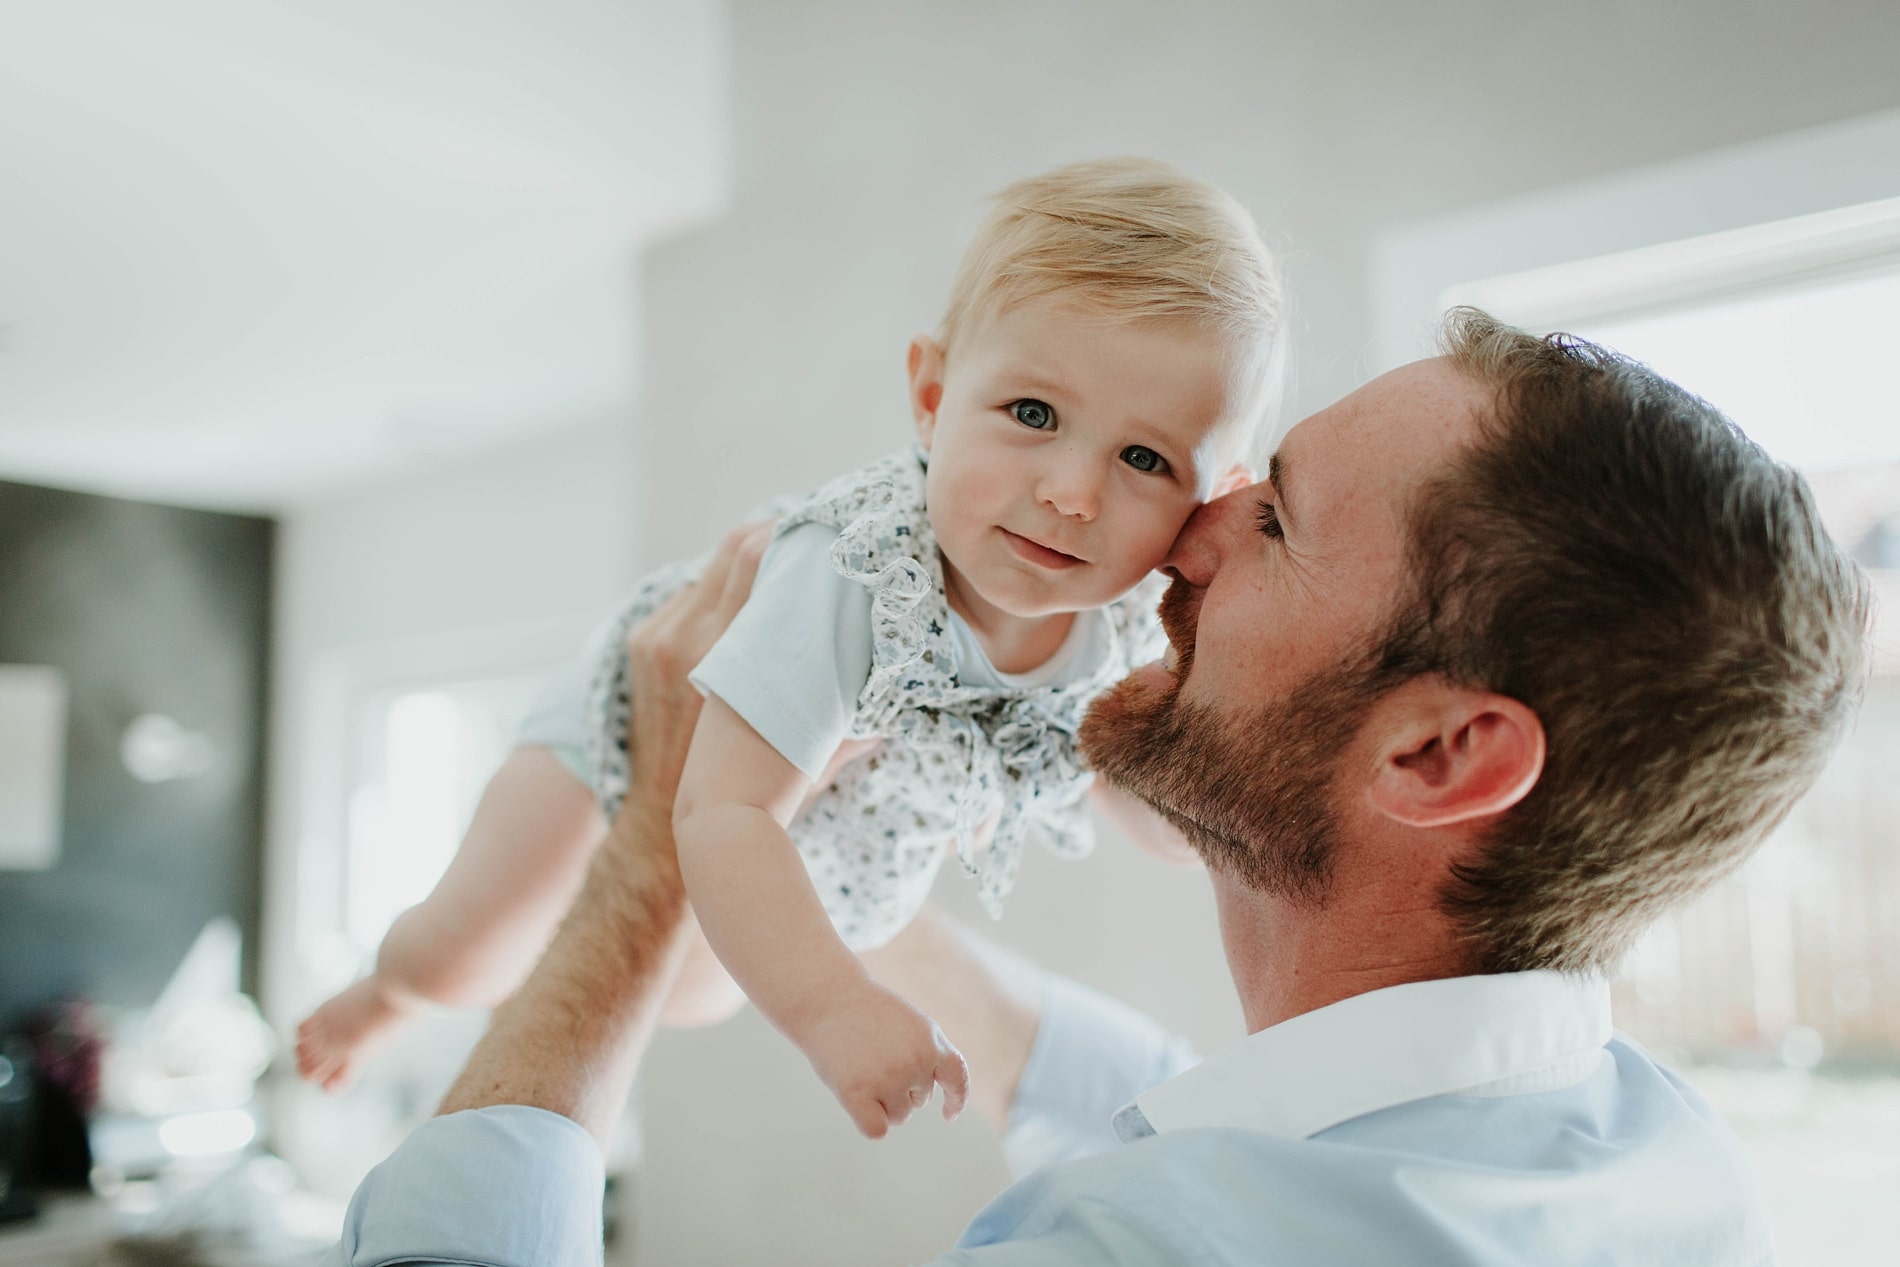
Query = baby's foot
x=334 y=1039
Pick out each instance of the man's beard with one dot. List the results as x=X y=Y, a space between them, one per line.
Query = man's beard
x=1255 y=795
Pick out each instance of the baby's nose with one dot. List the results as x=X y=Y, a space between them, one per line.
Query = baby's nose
x=1073 y=490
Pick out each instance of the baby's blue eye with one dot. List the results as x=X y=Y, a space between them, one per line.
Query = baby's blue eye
x=1033 y=413
x=1143 y=459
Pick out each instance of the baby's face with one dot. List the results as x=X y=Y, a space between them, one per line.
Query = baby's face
x=1066 y=451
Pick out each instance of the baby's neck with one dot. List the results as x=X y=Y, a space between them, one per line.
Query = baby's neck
x=1014 y=644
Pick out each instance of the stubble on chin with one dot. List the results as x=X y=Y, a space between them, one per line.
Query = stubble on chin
x=1132 y=733
x=1254 y=796
x=1142 y=737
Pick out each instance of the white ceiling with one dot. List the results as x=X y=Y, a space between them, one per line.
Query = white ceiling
x=251 y=253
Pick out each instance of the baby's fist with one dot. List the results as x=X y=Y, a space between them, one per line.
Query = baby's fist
x=883 y=1058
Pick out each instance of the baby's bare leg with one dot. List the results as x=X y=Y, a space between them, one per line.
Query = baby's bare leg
x=475 y=937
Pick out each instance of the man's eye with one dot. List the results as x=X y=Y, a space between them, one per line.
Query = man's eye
x=1033 y=413
x=1268 y=520
x=1143 y=459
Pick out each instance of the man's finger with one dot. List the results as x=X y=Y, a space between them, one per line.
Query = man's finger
x=742 y=550
x=727 y=556
x=953 y=1073
x=684 y=626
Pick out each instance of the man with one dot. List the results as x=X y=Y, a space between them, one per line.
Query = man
x=1512 y=650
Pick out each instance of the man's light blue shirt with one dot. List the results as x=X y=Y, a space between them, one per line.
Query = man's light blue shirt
x=1477 y=1120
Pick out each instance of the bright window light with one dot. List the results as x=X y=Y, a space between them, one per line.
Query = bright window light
x=1805 y=370
x=423 y=758
x=207 y=1134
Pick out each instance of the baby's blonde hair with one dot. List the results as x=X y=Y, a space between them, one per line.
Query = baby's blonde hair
x=1135 y=240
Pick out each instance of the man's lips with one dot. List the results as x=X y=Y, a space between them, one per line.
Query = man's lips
x=1038 y=553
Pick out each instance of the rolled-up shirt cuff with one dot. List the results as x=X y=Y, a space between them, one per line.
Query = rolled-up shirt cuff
x=1092 y=1055
x=507 y=1186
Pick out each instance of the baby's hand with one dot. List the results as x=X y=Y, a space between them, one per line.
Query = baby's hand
x=882 y=1058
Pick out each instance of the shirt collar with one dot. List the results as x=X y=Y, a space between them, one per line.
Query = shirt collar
x=1503 y=1033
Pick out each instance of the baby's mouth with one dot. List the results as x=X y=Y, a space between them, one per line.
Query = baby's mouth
x=1036 y=552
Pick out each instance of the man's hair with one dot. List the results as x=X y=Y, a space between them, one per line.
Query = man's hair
x=1618 y=556
x=1134 y=240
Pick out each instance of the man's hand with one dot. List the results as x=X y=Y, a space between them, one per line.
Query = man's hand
x=573 y=1034
x=668 y=645
x=883 y=1058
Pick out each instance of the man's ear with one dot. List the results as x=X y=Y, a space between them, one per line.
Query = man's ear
x=1232 y=480
x=1451 y=754
x=926 y=386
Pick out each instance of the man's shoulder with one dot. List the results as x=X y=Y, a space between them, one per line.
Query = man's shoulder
x=1628 y=1165
x=1207 y=1196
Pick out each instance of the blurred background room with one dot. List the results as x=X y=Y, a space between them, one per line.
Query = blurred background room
x=356 y=357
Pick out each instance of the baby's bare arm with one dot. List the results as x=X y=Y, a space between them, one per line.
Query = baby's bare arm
x=747 y=884
x=880 y=1056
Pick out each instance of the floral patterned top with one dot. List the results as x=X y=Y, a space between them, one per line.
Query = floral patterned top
x=954 y=758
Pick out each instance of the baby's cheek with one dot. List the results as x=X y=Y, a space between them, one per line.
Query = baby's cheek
x=1131 y=569
x=1157 y=542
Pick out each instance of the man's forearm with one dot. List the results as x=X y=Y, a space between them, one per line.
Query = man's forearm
x=570 y=1038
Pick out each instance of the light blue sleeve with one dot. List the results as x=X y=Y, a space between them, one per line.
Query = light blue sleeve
x=1092 y=1055
x=507 y=1186
x=799 y=652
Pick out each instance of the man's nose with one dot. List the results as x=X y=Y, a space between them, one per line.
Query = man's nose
x=1197 y=551
x=1072 y=486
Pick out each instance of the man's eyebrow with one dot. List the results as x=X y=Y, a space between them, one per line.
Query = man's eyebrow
x=1276 y=479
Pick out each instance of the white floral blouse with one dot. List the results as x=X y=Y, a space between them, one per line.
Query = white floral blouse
x=953 y=758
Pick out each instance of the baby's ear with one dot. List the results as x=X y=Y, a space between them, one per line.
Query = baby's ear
x=925 y=362
x=1232 y=480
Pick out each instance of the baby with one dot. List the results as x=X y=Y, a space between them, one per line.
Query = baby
x=916 y=655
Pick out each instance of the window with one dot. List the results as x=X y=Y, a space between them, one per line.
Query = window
x=1797 y=953
x=421 y=759
x=1778 y=991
